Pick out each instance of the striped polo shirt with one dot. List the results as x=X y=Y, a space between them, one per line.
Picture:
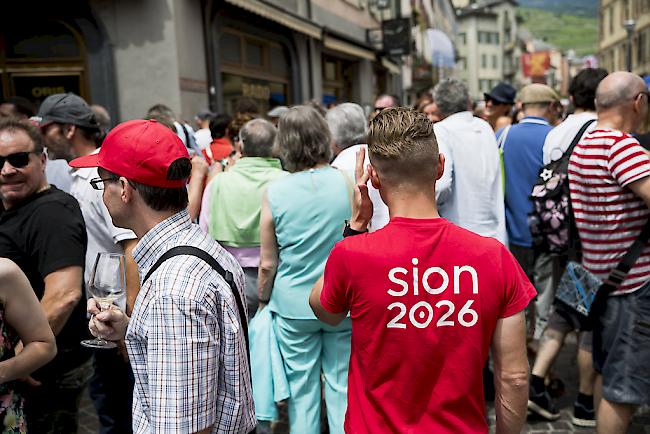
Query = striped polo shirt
x=609 y=217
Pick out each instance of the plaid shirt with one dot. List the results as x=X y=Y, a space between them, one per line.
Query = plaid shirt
x=185 y=341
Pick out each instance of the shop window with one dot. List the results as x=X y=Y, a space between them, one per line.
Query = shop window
x=230 y=48
x=337 y=81
x=47 y=40
x=254 y=54
x=41 y=59
x=254 y=68
x=278 y=60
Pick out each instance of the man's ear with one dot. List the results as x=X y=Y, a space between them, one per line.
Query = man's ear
x=440 y=170
x=69 y=130
x=374 y=176
x=128 y=191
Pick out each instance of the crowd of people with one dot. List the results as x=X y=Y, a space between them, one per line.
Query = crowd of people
x=380 y=266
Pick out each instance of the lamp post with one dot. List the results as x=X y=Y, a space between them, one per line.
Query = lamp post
x=629 y=27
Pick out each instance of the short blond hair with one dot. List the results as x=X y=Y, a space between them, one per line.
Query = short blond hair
x=402 y=147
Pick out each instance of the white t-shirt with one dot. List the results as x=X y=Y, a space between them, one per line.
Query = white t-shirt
x=103 y=236
x=59 y=174
x=346 y=161
x=559 y=138
x=203 y=138
x=470 y=192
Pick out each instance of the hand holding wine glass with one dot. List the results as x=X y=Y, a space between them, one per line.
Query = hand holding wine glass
x=106 y=285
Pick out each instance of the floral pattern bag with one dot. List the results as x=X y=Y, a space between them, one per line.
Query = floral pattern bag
x=550 y=219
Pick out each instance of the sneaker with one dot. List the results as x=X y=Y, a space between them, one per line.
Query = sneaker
x=583 y=416
x=540 y=404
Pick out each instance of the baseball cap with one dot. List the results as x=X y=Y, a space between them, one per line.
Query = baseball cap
x=140 y=150
x=66 y=108
x=278 y=111
x=502 y=93
x=537 y=93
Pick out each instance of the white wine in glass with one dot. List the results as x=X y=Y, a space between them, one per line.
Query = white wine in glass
x=107 y=284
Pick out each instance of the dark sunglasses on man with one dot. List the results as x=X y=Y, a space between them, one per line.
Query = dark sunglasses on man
x=17 y=160
x=495 y=102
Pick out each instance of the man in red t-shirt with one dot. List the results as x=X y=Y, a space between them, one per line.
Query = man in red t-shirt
x=428 y=300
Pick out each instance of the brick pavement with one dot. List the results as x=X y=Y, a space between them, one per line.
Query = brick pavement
x=565 y=368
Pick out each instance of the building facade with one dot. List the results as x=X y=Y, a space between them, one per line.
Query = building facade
x=613 y=37
x=195 y=54
x=487 y=44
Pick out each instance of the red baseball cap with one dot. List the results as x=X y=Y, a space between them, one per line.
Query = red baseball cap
x=140 y=150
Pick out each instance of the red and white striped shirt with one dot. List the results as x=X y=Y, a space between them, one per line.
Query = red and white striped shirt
x=609 y=216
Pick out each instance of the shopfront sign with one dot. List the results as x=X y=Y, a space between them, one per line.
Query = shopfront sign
x=38 y=87
x=397 y=36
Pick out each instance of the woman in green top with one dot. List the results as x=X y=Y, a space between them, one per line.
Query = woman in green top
x=303 y=215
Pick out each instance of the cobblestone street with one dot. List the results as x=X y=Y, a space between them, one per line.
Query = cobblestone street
x=565 y=367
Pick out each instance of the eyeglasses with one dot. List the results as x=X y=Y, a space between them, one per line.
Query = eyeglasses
x=98 y=183
x=17 y=160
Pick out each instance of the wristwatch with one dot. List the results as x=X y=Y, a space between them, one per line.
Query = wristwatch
x=349 y=232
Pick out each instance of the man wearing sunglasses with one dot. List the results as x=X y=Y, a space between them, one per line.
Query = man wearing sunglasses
x=42 y=230
x=385 y=101
x=498 y=103
x=71 y=130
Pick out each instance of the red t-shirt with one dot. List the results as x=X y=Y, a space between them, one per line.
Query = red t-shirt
x=421 y=333
x=220 y=150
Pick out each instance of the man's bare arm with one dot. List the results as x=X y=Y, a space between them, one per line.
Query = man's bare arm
x=642 y=189
x=510 y=373
x=323 y=315
x=62 y=293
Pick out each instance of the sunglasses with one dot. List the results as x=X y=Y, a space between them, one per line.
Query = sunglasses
x=17 y=160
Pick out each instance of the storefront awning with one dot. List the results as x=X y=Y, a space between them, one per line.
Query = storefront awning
x=276 y=14
x=392 y=67
x=345 y=47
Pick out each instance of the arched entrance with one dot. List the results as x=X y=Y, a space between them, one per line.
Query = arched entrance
x=45 y=58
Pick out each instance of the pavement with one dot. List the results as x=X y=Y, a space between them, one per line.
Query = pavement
x=565 y=368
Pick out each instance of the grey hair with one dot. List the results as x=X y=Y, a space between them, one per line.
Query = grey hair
x=348 y=124
x=616 y=92
x=257 y=137
x=303 y=139
x=451 y=96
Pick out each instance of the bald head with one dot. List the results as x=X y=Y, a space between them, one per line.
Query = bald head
x=618 y=89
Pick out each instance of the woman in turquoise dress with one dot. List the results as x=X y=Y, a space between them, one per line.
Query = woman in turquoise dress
x=303 y=215
x=26 y=343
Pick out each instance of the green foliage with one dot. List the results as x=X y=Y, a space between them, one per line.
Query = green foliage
x=562 y=30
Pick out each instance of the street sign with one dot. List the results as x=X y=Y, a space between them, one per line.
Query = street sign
x=397 y=36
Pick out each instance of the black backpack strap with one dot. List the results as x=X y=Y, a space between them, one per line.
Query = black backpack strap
x=564 y=165
x=574 y=251
x=227 y=276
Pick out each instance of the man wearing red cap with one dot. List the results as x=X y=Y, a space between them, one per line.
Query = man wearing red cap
x=186 y=335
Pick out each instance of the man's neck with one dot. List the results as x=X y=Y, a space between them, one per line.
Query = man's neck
x=614 y=120
x=147 y=219
x=416 y=205
x=81 y=148
x=543 y=114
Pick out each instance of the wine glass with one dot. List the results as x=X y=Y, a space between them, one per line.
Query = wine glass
x=107 y=284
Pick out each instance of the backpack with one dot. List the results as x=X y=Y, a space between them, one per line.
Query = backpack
x=552 y=217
